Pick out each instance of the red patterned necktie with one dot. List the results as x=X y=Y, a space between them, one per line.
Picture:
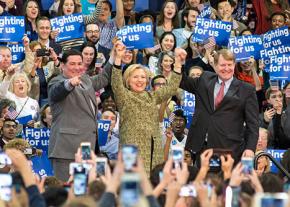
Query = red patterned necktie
x=220 y=95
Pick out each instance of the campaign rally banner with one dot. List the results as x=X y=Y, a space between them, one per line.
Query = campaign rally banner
x=12 y=28
x=137 y=36
x=278 y=155
x=278 y=66
x=69 y=27
x=166 y=123
x=246 y=46
x=88 y=6
x=37 y=137
x=41 y=165
x=205 y=28
x=275 y=42
x=17 y=51
x=103 y=131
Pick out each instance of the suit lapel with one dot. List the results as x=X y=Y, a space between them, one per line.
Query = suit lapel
x=232 y=90
x=211 y=93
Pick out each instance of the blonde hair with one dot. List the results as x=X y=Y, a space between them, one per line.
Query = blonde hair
x=16 y=76
x=128 y=73
x=227 y=55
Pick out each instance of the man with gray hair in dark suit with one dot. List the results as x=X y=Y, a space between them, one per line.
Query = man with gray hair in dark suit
x=74 y=110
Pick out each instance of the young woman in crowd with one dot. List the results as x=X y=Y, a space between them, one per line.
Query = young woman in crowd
x=68 y=7
x=167 y=43
x=165 y=64
x=31 y=12
x=89 y=53
x=168 y=18
x=138 y=108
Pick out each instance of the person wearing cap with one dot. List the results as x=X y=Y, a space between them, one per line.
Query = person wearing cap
x=71 y=96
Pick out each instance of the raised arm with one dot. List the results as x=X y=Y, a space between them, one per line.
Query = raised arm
x=117 y=80
x=119 y=14
x=170 y=89
x=93 y=18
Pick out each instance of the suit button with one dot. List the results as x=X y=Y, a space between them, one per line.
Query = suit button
x=94 y=132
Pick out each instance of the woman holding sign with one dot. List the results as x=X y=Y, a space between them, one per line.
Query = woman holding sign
x=139 y=123
x=69 y=7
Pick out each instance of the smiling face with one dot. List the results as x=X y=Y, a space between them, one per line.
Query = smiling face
x=43 y=29
x=68 y=7
x=225 y=9
x=137 y=80
x=193 y=3
x=178 y=125
x=278 y=21
x=128 y=5
x=20 y=86
x=32 y=10
x=73 y=67
x=167 y=43
x=88 y=55
x=128 y=57
x=167 y=63
x=225 y=68
x=169 y=10
x=6 y=58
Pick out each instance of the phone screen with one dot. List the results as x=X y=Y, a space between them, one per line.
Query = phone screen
x=80 y=183
x=101 y=168
x=129 y=154
x=129 y=193
x=5 y=187
x=270 y=202
x=86 y=152
x=248 y=164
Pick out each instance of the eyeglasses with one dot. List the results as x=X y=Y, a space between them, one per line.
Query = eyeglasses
x=93 y=32
x=14 y=126
x=159 y=84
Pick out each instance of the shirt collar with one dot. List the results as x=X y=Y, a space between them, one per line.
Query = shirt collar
x=227 y=83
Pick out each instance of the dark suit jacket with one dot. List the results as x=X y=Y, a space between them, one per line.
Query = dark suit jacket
x=225 y=125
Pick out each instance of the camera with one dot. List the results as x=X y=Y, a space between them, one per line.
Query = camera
x=215 y=160
x=129 y=156
x=42 y=52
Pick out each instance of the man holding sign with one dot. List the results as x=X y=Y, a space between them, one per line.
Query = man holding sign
x=223 y=105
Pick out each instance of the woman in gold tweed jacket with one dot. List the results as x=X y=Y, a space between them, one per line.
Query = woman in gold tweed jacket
x=139 y=123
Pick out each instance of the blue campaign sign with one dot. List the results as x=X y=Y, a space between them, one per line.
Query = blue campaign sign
x=103 y=131
x=37 y=137
x=24 y=119
x=278 y=66
x=278 y=155
x=275 y=42
x=206 y=11
x=69 y=27
x=41 y=165
x=189 y=103
x=12 y=28
x=137 y=36
x=246 y=46
x=88 y=6
x=205 y=28
x=139 y=5
x=17 y=51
